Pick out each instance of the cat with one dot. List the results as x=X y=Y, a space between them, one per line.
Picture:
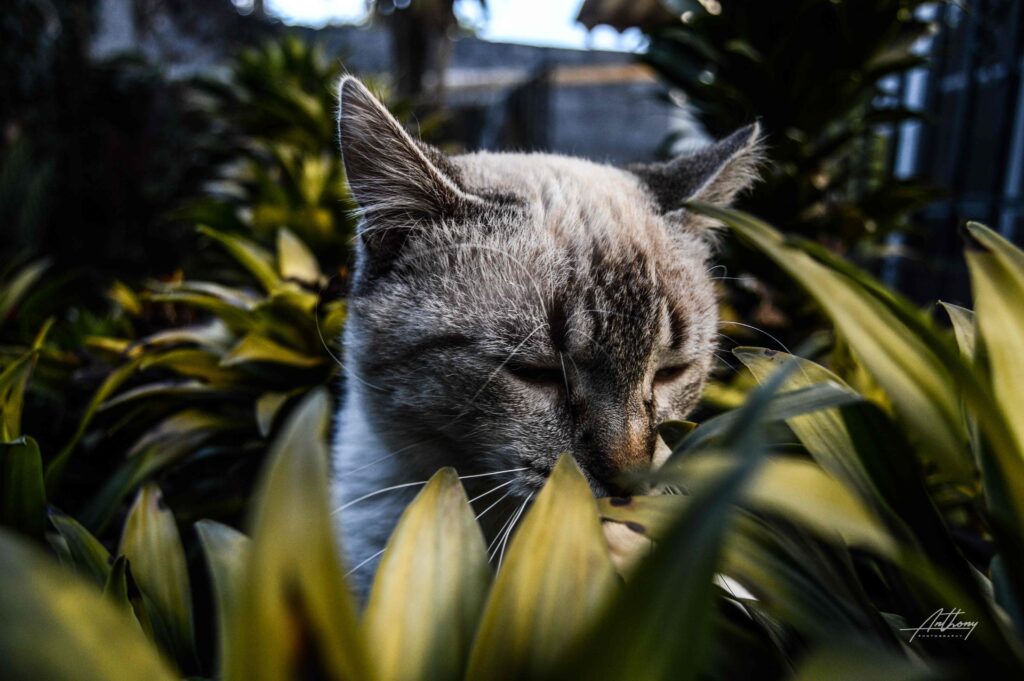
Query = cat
x=506 y=308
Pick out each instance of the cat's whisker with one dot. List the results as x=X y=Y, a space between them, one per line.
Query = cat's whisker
x=406 y=485
x=492 y=490
x=511 y=528
x=386 y=456
x=716 y=267
x=726 y=363
x=500 y=499
x=761 y=331
x=364 y=562
x=498 y=536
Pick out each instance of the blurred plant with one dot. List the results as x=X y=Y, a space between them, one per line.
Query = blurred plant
x=812 y=72
x=274 y=141
x=850 y=532
x=194 y=401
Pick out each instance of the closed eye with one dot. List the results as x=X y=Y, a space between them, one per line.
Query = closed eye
x=539 y=375
x=669 y=373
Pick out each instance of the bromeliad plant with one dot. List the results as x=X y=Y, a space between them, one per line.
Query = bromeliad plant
x=273 y=140
x=822 y=526
x=196 y=403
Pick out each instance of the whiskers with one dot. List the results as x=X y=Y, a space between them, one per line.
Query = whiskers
x=760 y=331
x=500 y=541
x=497 y=546
x=406 y=485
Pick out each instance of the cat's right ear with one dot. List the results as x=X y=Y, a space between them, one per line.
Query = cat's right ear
x=397 y=181
x=713 y=174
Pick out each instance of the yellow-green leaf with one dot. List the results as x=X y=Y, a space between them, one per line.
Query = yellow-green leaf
x=267 y=407
x=151 y=544
x=963 y=327
x=822 y=432
x=539 y=608
x=227 y=551
x=88 y=556
x=22 y=493
x=256 y=347
x=294 y=608
x=56 y=627
x=55 y=469
x=430 y=587
x=823 y=505
x=914 y=376
x=251 y=256
x=651 y=516
x=295 y=260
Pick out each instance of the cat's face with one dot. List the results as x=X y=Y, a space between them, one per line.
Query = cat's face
x=510 y=308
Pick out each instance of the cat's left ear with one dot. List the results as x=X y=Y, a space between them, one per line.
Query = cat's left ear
x=394 y=178
x=713 y=174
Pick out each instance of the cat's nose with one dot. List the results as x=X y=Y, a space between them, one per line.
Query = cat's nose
x=614 y=471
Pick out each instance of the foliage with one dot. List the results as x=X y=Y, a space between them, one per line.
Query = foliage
x=183 y=378
x=847 y=516
x=198 y=400
x=273 y=140
x=812 y=72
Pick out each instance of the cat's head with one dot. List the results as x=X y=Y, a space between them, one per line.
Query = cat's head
x=508 y=308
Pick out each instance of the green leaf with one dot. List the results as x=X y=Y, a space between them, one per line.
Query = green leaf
x=294 y=610
x=151 y=544
x=256 y=347
x=267 y=407
x=22 y=492
x=963 y=327
x=822 y=432
x=850 y=663
x=88 y=557
x=430 y=587
x=116 y=587
x=227 y=551
x=629 y=639
x=162 y=390
x=195 y=363
x=295 y=260
x=997 y=276
x=795 y=403
x=250 y=255
x=13 y=291
x=964 y=330
x=824 y=505
x=13 y=382
x=537 y=609
x=918 y=381
x=56 y=627
x=55 y=469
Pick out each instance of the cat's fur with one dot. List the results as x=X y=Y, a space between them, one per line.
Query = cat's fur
x=507 y=308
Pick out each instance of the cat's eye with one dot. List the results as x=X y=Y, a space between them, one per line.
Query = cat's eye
x=538 y=375
x=669 y=373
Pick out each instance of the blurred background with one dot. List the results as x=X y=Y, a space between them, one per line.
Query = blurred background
x=890 y=122
x=175 y=229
